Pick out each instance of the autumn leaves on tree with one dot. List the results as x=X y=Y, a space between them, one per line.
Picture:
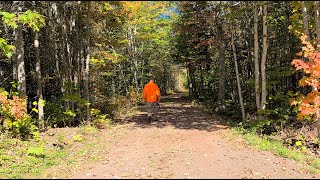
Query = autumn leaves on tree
x=308 y=105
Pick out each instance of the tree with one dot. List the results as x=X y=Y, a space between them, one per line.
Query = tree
x=264 y=58
x=19 y=53
x=256 y=56
x=261 y=91
x=309 y=105
x=222 y=60
x=237 y=69
x=87 y=65
x=305 y=20
x=39 y=82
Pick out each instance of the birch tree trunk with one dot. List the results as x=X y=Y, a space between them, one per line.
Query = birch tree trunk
x=256 y=56
x=39 y=81
x=264 y=57
x=19 y=53
x=134 y=48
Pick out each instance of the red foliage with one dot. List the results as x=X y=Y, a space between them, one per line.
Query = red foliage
x=16 y=106
x=308 y=106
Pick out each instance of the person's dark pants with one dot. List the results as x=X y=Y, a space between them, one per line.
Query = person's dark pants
x=152 y=109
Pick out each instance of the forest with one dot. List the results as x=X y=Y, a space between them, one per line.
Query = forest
x=74 y=63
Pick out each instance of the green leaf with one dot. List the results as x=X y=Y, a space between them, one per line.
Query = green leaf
x=7 y=49
x=298 y=143
x=9 y=19
x=14 y=93
x=70 y=113
x=9 y=54
x=36 y=151
x=33 y=19
x=77 y=138
x=35 y=110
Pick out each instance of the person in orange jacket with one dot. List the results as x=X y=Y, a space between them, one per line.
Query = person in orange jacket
x=151 y=94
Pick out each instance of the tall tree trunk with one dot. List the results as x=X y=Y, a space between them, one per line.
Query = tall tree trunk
x=305 y=20
x=81 y=55
x=135 y=58
x=86 y=71
x=56 y=37
x=222 y=71
x=316 y=9
x=74 y=52
x=132 y=55
x=19 y=44
x=256 y=56
x=39 y=82
x=63 y=54
x=264 y=57
x=60 y=63
x=77 y=51
x=237 y=74
x=67 y=59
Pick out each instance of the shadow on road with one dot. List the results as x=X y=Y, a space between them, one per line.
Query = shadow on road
x=176 y=111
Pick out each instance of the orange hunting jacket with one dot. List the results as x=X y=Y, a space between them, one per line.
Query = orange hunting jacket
x=151 y=92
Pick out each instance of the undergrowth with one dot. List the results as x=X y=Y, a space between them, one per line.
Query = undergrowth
x=278 y=148
x=56 y=150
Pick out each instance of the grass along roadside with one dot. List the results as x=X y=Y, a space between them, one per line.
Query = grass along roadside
x=263 y=143
x=59 y=153
x=277 y=147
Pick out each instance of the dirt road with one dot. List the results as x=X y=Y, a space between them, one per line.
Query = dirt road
x=186 y=142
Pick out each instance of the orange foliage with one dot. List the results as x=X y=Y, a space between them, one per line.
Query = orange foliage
x=308 y=106
x=131 y=7
x=16 y=106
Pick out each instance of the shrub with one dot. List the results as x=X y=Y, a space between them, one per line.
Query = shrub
x=101 y=121
x=14 y=118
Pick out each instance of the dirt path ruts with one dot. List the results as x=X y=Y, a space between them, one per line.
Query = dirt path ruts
x=185 y=142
